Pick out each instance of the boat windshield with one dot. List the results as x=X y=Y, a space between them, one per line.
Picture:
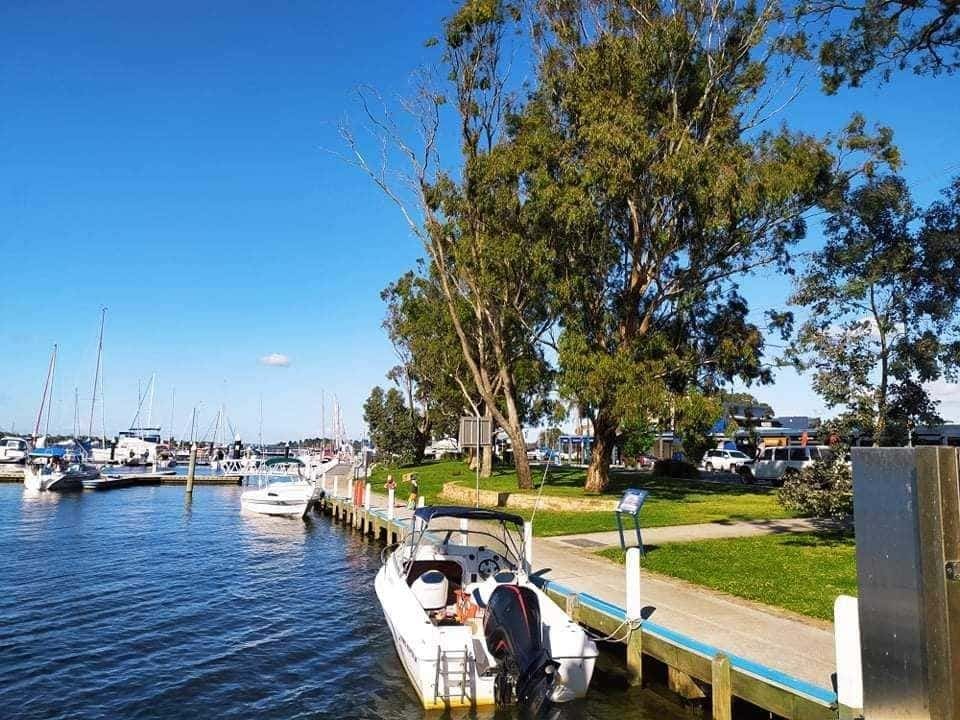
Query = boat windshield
x=502 y=537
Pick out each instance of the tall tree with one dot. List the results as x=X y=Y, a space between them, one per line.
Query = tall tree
x=884 y=35
x=393 y=429
x=432 y=369
x=647 y=165
x=883 y=302
x=473 y=223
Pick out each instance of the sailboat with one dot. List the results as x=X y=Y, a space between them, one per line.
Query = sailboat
x=57 y=467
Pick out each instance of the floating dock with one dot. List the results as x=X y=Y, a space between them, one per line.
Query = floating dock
x=699 y=670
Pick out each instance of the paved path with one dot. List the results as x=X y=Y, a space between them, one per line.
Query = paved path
x=689 y=533
x=799 y=648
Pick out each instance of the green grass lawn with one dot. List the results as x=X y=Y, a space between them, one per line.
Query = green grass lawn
x=671 y=501
x=800 y=572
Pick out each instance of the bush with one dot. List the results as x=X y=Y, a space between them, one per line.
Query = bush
x=825 y=489
x=675 y=469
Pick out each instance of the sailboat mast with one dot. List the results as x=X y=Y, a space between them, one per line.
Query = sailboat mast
x=173 y=404
x=96 y=373
x=46 y=387
x=323 y=426
x=53 y=374
x=153 y=385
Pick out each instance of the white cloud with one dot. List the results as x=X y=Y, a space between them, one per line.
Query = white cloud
x=275 y=360
x=948 y=394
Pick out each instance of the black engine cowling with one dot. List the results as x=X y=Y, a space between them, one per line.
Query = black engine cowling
x=514 y=636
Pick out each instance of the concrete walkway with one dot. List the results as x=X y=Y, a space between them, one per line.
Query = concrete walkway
x=782 y=642
x=689 y=533
x=802 y=649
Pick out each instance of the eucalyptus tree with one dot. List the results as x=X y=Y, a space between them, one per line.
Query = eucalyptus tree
x=491 y=272
x=648 y=161
x=883 y=297
x=863 y=36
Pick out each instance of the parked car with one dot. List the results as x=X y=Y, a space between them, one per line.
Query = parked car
x=778 y=463
x=726 y=461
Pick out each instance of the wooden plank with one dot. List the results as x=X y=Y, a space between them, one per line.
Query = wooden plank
x=684 y=685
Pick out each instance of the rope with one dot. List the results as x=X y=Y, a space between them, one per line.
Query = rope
x=543 y=481
x=632 y=625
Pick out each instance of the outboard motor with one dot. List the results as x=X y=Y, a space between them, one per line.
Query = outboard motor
x=514 y=637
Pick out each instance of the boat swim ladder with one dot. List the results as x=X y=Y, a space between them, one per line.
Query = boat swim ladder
x=452 y=668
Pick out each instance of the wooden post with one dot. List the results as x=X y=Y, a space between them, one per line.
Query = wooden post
x=368 y=492
x=421 y=501
x=336 y=486
x=721 y=688
x=634 y=609
x=191 y=468
x=572 y=606
x=390 y=503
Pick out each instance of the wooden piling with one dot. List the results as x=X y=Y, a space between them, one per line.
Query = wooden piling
x=191 y=469
x=721 y=688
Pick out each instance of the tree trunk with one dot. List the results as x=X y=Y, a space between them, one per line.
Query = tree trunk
x=604 y=438
x=520 y=461
x=486 y=463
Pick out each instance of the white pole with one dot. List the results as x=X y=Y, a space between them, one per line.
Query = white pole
x=421 y=501
x=366 y=496
x=390 y=503
x=464 y=531
x=336 y=486
x=634 y=606
x=350 y=488
x=528 y=545
x=846 y=636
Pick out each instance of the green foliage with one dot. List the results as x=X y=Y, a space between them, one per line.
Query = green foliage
x=658 y=193
x=637 y=438
x=825 y=489
x=885 y=35
x=432 y=365
x=392 y=427
x=802 y=572
x=883 y=300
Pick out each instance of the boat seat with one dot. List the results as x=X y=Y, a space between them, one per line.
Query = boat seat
x=431 y=590
x=450 y=569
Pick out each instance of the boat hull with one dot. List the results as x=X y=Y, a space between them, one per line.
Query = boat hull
x=281 y=499
x=428 y=653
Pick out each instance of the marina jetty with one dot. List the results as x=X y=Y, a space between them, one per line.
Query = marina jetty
x=711 y=652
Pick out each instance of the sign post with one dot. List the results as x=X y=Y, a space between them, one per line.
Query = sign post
x=630 y=504
x=476 y=431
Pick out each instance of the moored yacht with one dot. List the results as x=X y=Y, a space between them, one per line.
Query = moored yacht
x=468 y=624
x=13 y=449
x=284 y=489
x=58 y=467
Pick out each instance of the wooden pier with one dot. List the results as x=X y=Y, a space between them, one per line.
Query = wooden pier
x=717 y=681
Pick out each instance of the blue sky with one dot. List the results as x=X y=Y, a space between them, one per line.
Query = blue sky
x=171 y=162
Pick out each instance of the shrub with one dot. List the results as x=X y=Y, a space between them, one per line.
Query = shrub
x=675 y=469
x=825 y=489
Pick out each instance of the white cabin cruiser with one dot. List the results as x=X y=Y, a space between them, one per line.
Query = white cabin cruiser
x=287 y=492
x=469 y=625
x=58 y=467
x=13 y=449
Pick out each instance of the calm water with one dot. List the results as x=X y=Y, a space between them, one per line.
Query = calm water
x=129 y=604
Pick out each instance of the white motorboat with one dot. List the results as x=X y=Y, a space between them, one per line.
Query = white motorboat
x=13 y=449
x=469 y=625
x=58 y=467
x=283 y=489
